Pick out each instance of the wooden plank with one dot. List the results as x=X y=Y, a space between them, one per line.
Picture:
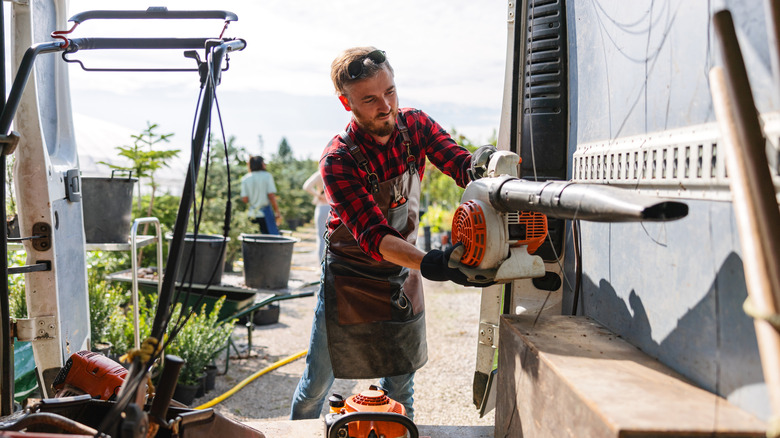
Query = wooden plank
x=570 y=376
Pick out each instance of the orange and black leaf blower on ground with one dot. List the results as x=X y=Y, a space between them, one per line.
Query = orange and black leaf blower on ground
x=370 y=414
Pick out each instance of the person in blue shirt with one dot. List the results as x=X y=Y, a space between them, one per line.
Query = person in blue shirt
x=259 y=191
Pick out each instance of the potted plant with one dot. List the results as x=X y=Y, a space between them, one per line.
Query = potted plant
x=104 y=302
x=198 y=342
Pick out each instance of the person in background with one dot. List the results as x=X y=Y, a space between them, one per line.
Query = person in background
x=369 y=320
x=259 y=191
x=315 y=187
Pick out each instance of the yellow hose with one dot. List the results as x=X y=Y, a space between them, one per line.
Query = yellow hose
x=249 y=379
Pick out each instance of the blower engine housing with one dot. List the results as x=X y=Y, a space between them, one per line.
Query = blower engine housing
x=493 y=239
x=370 y=413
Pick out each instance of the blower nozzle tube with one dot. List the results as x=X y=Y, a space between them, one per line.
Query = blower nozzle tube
x=589 y=202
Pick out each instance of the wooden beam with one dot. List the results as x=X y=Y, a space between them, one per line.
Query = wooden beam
x=570 y=376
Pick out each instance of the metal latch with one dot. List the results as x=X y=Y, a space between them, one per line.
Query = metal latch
x=31 y=329
x=42 y=239
x=488 y=334
x=73 y=185
x=9 y=142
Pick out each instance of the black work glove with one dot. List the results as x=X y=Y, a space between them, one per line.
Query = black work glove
x=479 y=161
x=436 y=266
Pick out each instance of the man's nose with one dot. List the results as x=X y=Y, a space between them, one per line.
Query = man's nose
x=386 y=103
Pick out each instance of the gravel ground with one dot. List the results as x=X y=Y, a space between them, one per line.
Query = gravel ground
x=442 y=386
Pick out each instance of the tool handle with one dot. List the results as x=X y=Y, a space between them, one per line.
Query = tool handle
x=164 y=393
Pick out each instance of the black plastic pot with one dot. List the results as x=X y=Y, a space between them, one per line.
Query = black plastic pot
x=185 y=393
x=209 y=259
x=267 y=260
x=107 y=203
x=211 y=377
x=263 y=316
x=103 y=348
x=201 y=391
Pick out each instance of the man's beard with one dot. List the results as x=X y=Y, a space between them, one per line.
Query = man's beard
x=378 y=128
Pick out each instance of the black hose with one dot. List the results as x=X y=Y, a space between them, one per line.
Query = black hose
x=50 y=419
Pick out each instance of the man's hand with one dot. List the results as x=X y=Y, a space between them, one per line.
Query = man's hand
x=479 y=161
x=443 y=266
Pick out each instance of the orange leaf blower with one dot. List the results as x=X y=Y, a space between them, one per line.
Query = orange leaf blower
x=497 y=244
x=370 y=414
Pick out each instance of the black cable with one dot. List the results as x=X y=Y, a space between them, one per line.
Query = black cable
x=197 y=218
x=136 y=379
x=575 y=230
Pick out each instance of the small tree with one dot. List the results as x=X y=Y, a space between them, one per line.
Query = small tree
x=145 y=159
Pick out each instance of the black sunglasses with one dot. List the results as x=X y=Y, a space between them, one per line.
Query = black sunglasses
x=355 y=68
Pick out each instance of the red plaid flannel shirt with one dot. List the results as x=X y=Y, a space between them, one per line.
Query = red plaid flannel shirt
x=346 y=184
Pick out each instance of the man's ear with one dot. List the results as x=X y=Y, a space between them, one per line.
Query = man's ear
x=345 y=102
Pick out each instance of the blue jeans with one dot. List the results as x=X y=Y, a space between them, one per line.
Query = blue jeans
x=317 y=379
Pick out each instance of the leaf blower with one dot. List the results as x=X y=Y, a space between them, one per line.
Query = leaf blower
x=502 y=219
x=369 y=414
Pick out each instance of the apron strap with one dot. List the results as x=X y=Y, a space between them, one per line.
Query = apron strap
x=373 y=179
x=411 y=161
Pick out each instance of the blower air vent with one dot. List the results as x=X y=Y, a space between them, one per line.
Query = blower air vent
x=468 y=227
x=371 y=398
x=528 y=228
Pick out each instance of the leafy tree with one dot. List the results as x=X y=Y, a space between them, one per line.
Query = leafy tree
x=440 y=195
x=284 y=154
x=289 y=175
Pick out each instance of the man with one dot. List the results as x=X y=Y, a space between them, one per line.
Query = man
x=259 y=191
x=369 y=320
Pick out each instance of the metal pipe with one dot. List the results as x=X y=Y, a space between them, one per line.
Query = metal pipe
x=134 y=270
x=589 y=202
x=6 y=340
x=157 y=13
x=77 y=44
x=20 y=81
x=755 y=205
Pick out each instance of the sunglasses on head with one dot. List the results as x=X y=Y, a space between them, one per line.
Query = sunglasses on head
x=355 y=68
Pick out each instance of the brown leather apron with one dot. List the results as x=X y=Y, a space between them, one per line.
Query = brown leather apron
x=374 y=311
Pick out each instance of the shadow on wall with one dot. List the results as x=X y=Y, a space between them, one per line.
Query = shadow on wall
x=714 y=344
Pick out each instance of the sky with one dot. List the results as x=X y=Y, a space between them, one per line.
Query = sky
x=448 y=57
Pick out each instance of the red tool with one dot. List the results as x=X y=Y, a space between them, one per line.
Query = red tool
x=90 y=373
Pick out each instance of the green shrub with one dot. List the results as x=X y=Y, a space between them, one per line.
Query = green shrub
x=17 y=300
x=199 y=341
x=104 y=301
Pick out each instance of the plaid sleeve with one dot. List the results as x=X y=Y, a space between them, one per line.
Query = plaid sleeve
x=439 y=147
x=352 y=203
